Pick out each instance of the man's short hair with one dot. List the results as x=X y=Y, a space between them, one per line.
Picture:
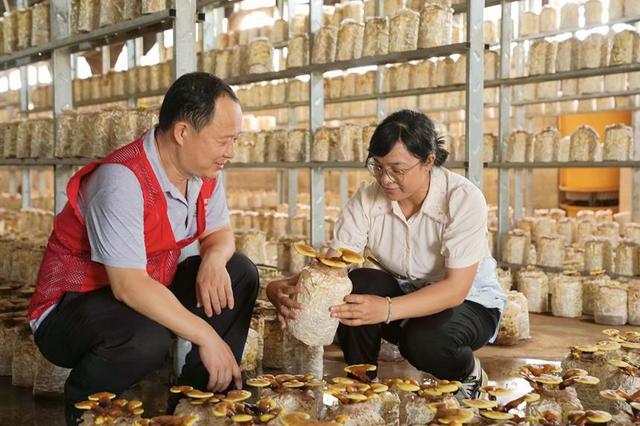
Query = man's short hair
x=192 y=98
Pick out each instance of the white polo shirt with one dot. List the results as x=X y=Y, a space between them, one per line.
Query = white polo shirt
x=449 y=231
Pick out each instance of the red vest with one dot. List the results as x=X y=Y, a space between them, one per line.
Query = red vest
x=67 y=265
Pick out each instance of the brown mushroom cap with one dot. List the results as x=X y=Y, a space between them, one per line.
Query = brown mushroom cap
x=305 y=249
x=479 y=403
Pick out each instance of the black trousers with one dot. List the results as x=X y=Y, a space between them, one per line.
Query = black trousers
x=110 y=347
x=441 y=344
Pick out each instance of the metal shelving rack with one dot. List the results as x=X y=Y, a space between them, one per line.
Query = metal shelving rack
x=183 y=19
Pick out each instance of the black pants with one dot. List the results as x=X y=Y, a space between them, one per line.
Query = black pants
x=110 y=347
x=441 y=344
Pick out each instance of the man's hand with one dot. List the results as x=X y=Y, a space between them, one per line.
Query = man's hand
x=282 y=294
x=361 y=309
x=219 y=361
x=213 y=286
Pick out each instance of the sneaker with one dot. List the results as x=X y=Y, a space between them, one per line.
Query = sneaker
x=472 y=384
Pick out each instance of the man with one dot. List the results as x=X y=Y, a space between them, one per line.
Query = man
x=110 y=292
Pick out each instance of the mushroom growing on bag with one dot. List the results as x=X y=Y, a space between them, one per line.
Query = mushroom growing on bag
x=630 y=412
x=291 y=392
x=557 y=393
x=359 y=402
x=103 y=408
x=490 y=410
x=626 y=378
x=415 y=398
x=209 y=408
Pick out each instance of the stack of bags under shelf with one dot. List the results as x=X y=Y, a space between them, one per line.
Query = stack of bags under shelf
x=595 y=244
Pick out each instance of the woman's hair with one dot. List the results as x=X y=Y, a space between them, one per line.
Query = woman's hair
x=415 y=130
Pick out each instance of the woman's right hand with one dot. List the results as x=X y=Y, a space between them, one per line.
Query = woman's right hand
x=282 y=294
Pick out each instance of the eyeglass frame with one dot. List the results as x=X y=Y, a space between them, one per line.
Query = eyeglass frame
x=385 y=170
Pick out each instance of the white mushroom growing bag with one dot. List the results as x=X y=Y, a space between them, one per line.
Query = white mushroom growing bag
x=321 y=287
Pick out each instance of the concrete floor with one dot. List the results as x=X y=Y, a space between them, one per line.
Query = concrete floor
x=550 y=340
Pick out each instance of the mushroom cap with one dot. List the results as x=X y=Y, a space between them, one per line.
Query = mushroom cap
x=85 y=405
x=598 y=416
x=180 y=389
x=586 y=348
x=258 y=382
x=586 y=380
x=360 y=367
x=197 y=394
x=293 y=384
x=532 y=397
x=408 y=387
x=304 y=249
x=611 y=332
x=608 y=346
x=241 y=418
x=100 y=395
x=496 y=415
x=295 y=418
x=630 y=345
x=237 y=395
x=496 y=391
x=333 y=263
x=379 y=387
x=635 y=405
x=575 y=372
x=358 y=397
x=548 y=379
x=456 y=415
x=343 y=381
x=613 y=395
x=479 y=403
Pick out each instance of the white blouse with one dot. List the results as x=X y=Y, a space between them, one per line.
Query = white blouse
x=449 y=231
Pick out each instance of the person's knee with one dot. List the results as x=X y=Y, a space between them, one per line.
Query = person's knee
x=245 y=275
x=147 y=343
x=434 y=352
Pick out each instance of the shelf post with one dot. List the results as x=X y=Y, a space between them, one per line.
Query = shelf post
x=316 y=120
x=62 y=91
x=503 y=130
x=24 y=114
x=635 y=172
x=475 y=91
x=184 y=38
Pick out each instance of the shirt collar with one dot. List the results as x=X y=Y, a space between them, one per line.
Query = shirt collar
x=151 y=149
x=434 y=205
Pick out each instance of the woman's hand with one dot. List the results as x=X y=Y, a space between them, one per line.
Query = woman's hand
x=361 y=309
x=282 y=293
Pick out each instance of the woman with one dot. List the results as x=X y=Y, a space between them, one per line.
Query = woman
x=437 y=295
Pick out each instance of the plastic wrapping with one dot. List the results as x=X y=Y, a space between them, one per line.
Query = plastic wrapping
x=152 y=6
x=275 y=145
x=103 y=134
x=324 y=139
x=260 y=56
x=25 y=359
x=558 y=402
x=49 y=379
x=223 y=63
x=324 y=46
x=632 y=231
x=239 y=61
x=542 y=57
x=404 y=37
x=618 y=143
x=529 y=24
x=548 y=19
x=350 y=40
x=257 y=154
x=631 y=8
x=610 y=305
x=566 y=298
x=40 y=24
x=516 y=246
x=252 y=243
x=420 y=77
x=24 y=28
x=597 y=254
x=518 y=146
x=594 y=51
x=585 y=145
x=593 y=12
x=23 y=139
x=614 y=83
x=298 y=55
x=111 y=12
x=131 y=9
x=88 y=15
x=625 y=48
x=511 y=330
x=300 y=358
x=545 y=145
x=280 y=31
x=376 y=36
x=570 y=16
x=322 y=287
x=435 y=26
x=535 y=286
x=610 y=231
x=590 y=286
x=616 y=9
x=297 y=145
x=43 y=135
x=154 y=78
x=550 y=250
x=568 y=55
x=10 y=32
x=626 y=259
x=633 y=299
